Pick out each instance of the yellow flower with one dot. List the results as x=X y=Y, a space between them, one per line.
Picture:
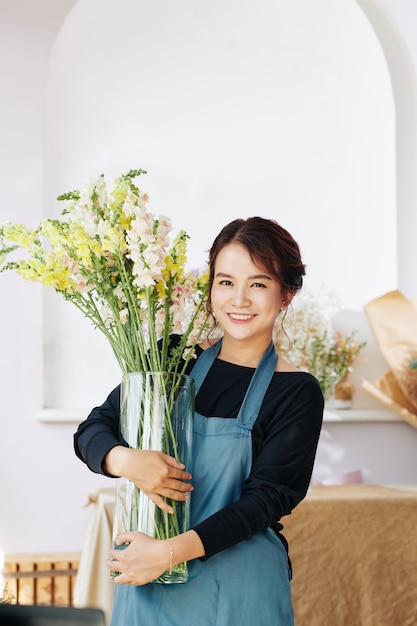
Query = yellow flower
x=81 y=246
x=203 y=281
x=19 y=234
x=112 y=240
x=119 y=193
x=48 y=274
x=172 y=269
x=161 y=290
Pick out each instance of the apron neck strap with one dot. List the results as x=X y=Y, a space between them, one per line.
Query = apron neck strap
x=258 y=385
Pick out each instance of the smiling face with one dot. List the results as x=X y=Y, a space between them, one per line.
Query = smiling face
x=245 y=298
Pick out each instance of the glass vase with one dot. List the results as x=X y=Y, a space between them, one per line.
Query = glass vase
x=156 y=413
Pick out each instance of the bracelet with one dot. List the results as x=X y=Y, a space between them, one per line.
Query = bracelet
x=171 y=556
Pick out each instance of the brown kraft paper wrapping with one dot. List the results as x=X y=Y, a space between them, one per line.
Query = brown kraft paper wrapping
x=393 y=320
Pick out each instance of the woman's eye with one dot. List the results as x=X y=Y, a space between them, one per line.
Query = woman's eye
x=259 y=285
x=225 y=282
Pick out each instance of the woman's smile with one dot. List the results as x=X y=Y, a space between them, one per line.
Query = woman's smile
x=240 y=317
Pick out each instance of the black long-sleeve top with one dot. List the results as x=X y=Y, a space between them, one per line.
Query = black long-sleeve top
x=284 y=442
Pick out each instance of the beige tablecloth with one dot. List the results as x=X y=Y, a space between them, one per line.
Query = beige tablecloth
x=353 y=549
x=354 y=554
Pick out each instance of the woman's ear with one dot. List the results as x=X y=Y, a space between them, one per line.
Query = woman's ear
x=287 y=299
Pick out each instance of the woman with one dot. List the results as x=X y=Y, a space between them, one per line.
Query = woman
x=253 y=462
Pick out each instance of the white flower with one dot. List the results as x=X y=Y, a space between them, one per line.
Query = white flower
x=120 y=295
x=124 y=313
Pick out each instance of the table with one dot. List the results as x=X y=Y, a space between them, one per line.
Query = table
x=354 y=555
x=353 y=549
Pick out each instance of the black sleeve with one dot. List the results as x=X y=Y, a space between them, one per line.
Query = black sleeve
x=99 y=433
x=284 y=442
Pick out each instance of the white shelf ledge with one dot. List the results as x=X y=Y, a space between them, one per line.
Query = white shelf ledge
x=360 y=415
x=63 y=416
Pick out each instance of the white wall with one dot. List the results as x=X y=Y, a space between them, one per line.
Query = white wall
x=395 y=24
x=266 y=125
x=42 y=486
x=236 y=108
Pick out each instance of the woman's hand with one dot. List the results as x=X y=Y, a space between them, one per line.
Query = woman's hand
x=156 y=474
x=142 y=561
x=145 y=559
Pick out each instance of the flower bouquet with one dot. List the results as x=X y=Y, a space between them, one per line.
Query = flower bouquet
x=115 y=261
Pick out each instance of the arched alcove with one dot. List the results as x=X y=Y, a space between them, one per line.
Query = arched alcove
x=259 y=108
x=404 y=86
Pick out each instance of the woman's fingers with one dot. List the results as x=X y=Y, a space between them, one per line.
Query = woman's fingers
x=159 y=473
x=156 y=474
x=160 y=502
x=176 y=469
x=167 y=493
x=175 y=486
x=178 y=474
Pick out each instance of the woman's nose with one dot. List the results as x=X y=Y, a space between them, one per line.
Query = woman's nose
x=240 y=296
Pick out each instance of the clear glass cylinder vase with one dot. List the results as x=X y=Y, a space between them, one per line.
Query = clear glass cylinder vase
x=156 y=413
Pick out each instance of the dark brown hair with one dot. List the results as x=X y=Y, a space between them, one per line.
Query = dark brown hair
x=270 y=247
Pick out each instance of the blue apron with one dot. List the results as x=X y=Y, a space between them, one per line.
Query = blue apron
x=246 y=584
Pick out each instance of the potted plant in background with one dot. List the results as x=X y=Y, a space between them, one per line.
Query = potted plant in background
x=311 y=343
